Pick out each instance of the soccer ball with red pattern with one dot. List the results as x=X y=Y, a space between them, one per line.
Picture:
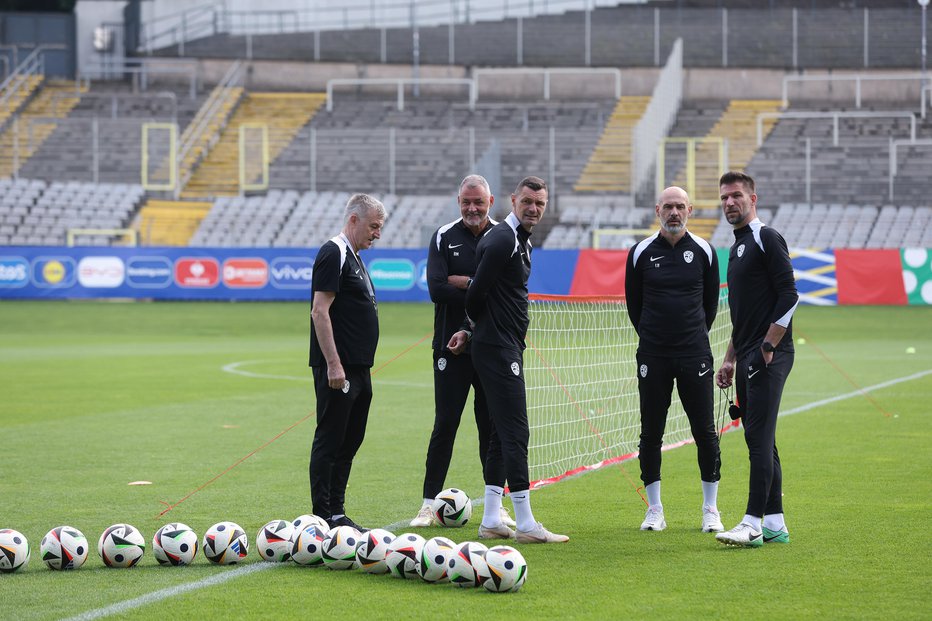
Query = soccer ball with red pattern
x=64 y=548
x=174 y=544
x=507 y=570
x=121 y=545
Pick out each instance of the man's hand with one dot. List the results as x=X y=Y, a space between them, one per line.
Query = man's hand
x=336 y=377
x=458 y=342
x=460 y=282
x=768 y=357
x=725 y=375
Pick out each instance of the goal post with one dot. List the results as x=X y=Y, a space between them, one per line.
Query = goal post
x=159 y=146
x=580 y=371
x=253 y=140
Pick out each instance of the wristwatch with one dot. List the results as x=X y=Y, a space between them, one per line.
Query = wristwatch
x=767 y=347
x=468 y=282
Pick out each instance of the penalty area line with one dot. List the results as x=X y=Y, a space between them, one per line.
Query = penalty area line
x=856 y=393
x=155 y=596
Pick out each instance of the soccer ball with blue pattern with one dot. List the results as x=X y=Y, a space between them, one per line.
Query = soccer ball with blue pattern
x=274 y=541
x=308 y=546
x=225 y=543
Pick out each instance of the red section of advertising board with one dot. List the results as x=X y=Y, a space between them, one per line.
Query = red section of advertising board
x=600 y=272
x=869 y=277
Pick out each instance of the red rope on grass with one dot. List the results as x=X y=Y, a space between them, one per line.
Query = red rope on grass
x=280 y=434
x=842 y=372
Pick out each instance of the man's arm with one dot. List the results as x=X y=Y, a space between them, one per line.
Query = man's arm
x=444 y=288
x=780 y=270
x=711 y=291
x=634 y=291
x=726 y=373
x=488 y=271
x=320 y=315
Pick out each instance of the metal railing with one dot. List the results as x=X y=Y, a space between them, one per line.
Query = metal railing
x=141 y=69
x=857 y=78
x=196 y=133
x=400 y=84
x=894 y=164
x=658 y=118
x=115 y=100
x=18 y=81
x=846 y=114
x=548 y=72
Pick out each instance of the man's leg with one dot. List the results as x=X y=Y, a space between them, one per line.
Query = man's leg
x=452 y=378
x=333 y=407
x=355 y=431
x=655 y=388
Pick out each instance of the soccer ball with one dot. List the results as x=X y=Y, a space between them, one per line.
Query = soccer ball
x=174 y=544
x=434 y=557
x=14 y=551
x=452 y=507
x=339 y=548
x=273 y=542
x=225 y=543
x=403 y=555
x=64 y=547
x=121 y=545
x=371 y=551
x=303 y=521
x=507 y=569
x=466 y=566
x=309 y=545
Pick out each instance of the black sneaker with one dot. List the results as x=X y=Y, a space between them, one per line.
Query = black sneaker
x=345 y=521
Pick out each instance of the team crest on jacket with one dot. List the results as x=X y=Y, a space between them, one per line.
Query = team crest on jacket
x=441 y=364
x=515 y=368
x=643 y=370
x=688 y=256
x=740 y=251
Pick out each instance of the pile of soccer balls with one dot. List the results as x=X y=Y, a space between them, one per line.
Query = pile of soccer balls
x=307 y=540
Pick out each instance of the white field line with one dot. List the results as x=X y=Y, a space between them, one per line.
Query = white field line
x=155 y=596
x=234 y=368
x=226 y=576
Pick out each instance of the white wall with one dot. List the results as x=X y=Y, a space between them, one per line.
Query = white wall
x=89 y=14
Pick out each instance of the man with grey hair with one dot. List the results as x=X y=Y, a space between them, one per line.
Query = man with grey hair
x=671 y=292
x=451 y=264
x=344 y=336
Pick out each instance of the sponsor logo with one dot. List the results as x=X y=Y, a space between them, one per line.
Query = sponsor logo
x=421 y=270
x=54 y=272
x=392 y=274
x=701 y=373
x=643 y=370
x=291 y=273
x=515 y=368
x=101 y=272
x=688 y=256
x=752 y=372
x=14 y=272
x=251 y=273
x=452 y=246
x=148 y=272
x=201 y=272
x=740 y=251
x=441 y=364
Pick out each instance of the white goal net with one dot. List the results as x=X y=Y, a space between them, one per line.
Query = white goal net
x=580 y=372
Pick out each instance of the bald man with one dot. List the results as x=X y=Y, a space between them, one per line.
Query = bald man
x=672 y=289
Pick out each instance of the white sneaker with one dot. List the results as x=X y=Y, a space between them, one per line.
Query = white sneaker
x=654 y=519
x=507 y=519
x=711 y=520
x=539 y=535
x=495 y=532
x=743 y=535
x=425 y=517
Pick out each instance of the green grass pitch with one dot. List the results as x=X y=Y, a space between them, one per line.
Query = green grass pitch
x=96 y=395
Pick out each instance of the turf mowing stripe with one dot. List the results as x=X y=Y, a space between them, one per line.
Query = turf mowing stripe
x=857 y=393
x=156 y=596
x=234 y=368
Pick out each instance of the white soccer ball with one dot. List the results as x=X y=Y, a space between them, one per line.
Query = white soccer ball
x=64 y=548
x=273 y=542
x=14 y=551
x=303 y=521
x=308 y=546
x=452 y=507
x=121 y=545
x=507 y=569
x=175 y=544
x=434 y=558
x=371 y=551
x=339 y=548
x=225 y=543
x=403 y=555
x=466 y=566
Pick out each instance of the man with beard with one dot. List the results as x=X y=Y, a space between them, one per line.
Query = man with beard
x=671 y=292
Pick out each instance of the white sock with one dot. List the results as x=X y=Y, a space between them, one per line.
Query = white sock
x=710 y=494
x=428 y=502
x=523 y=515
x=753 y=521
x=492 y=509
x=653 y=495
x=775 y=522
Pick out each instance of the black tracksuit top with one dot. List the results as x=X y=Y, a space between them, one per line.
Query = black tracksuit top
x=672 y=295
x=497 y=299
